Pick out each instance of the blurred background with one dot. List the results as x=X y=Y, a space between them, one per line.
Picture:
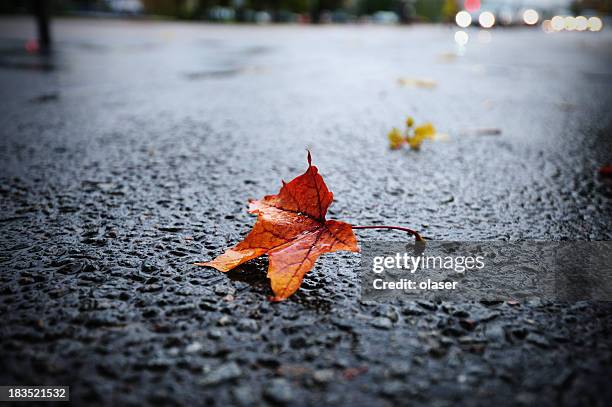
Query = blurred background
x=504 y=12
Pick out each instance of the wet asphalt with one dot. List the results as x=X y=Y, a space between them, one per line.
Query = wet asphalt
x=131 y=151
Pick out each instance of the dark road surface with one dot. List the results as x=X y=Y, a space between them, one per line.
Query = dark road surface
x=131 y=153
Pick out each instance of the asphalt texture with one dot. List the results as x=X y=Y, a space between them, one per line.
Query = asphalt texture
x=131 y=151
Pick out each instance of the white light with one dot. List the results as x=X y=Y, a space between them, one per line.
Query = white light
x=463 y=19
x=581 y=23
x=461 y=37
x=570 y=23
x=595 y=24
x=557 y=23
x=486 y=19
x=530 y=16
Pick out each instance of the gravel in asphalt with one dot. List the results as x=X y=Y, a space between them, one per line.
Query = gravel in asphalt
x=131 y=152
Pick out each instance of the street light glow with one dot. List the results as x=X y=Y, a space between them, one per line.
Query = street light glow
x=581 y=23
x=486 y=19
x=461 y=37
x=471 y=5
x=463 y=19
x=557 y=23
x=530 y=16
x=595 y=24
x=570 y=23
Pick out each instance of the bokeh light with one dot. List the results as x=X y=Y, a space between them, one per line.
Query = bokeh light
x=471 y=5
x=461 y=37
x=570 y=23
x=547 y=26
x=32 y=46
x=530 y=16
x=595 y=24
x=581 y=23
x=557 y=23
x=463 y=19
x=486 y=19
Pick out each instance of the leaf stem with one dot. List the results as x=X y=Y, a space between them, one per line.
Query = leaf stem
x=414 y=233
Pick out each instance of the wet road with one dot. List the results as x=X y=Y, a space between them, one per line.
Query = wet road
x=130 y=153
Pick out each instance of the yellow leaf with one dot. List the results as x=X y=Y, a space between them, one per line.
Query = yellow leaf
x=418 y=83
x=415 y=142
x=395 y=139
x=425 y=131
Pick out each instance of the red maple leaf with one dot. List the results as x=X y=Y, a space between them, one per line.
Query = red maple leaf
x=292 y=230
